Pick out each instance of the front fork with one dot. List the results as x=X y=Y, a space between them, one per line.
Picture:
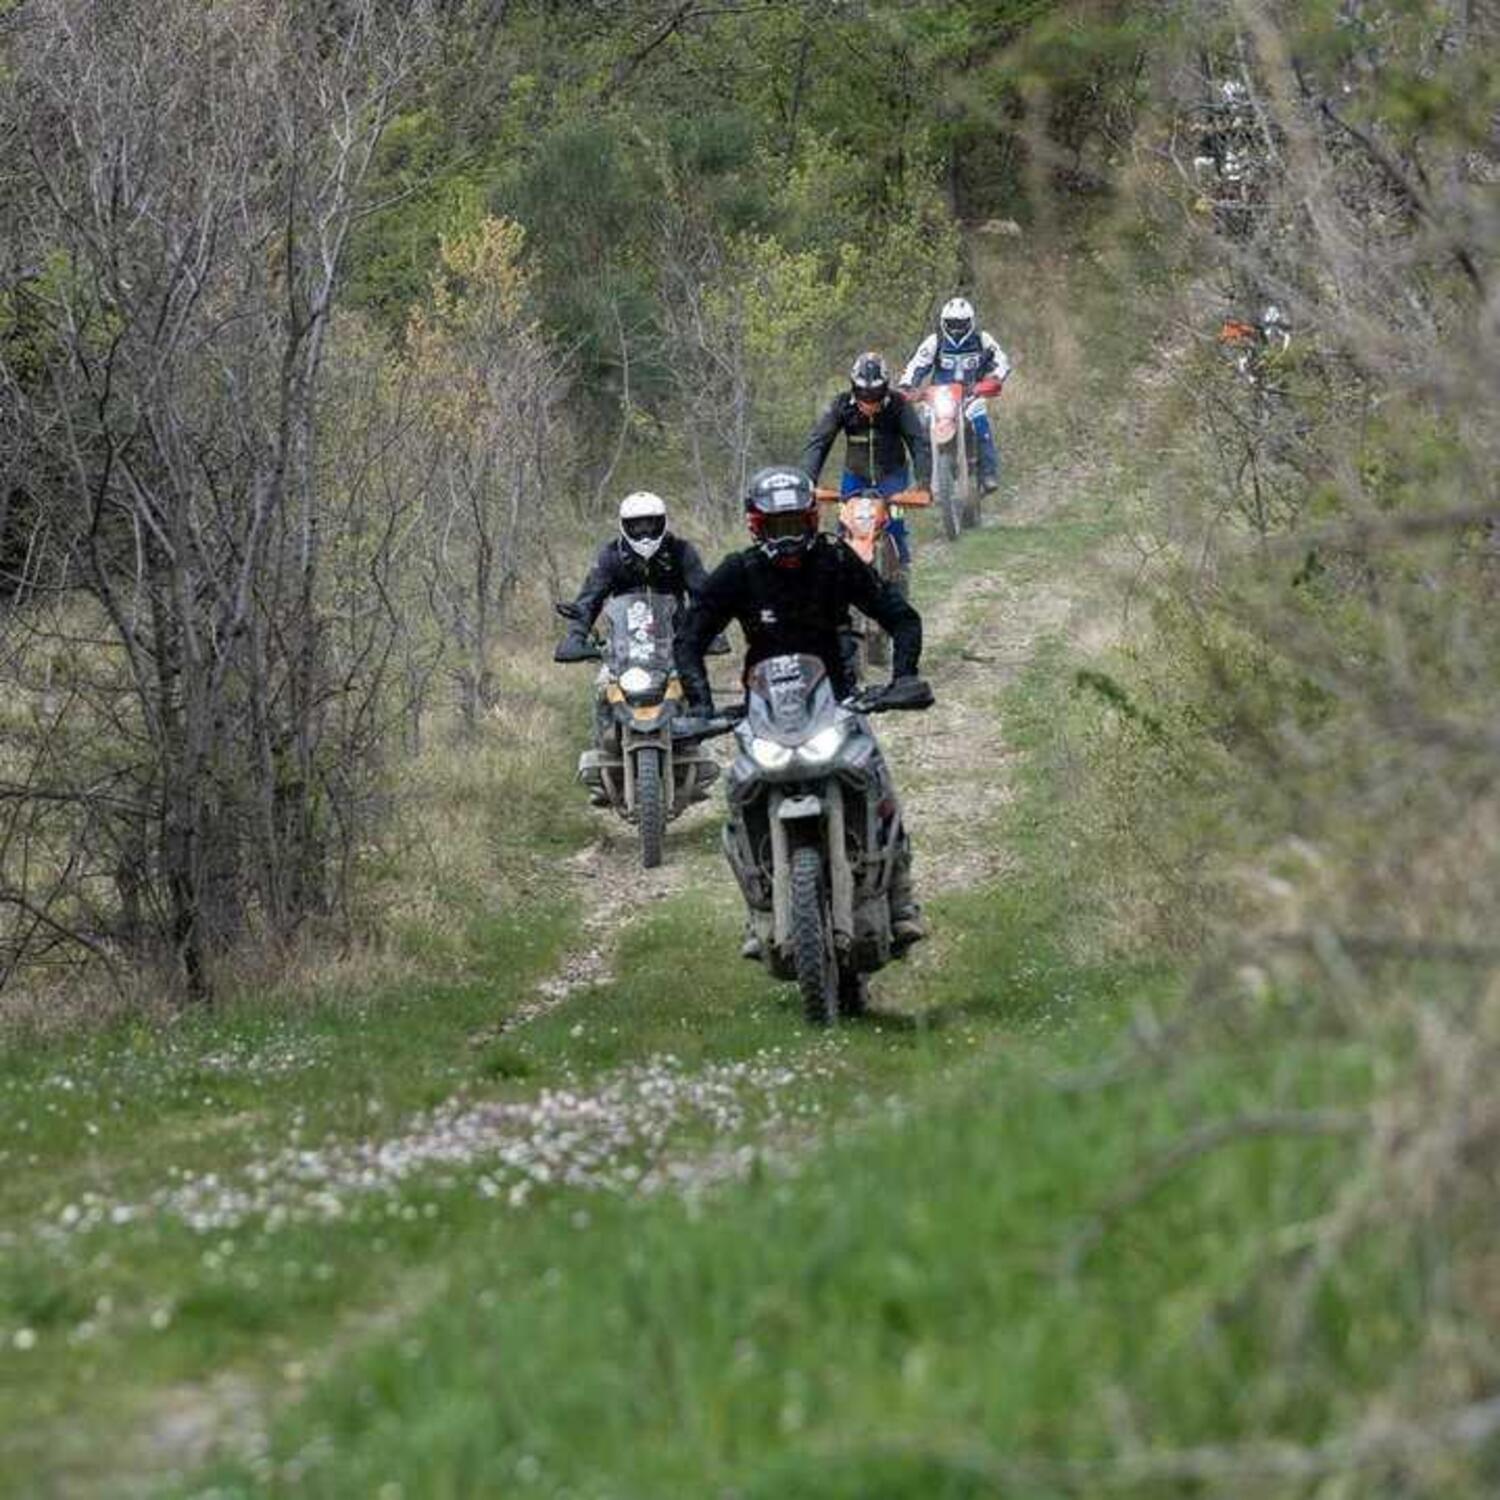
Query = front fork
x=799 y=819
x=632 y=740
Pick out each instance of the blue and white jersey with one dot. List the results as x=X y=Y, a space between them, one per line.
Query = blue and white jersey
x=971 y=360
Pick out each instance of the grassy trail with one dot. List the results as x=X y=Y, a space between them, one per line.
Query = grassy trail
x=591 y=1212
x=234 y=1208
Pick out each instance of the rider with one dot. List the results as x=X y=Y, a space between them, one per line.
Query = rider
x=644 y=556
x=961 y=351
x=791 y=592
x=880 y=429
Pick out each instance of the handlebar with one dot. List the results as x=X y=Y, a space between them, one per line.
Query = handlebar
x=991 y=385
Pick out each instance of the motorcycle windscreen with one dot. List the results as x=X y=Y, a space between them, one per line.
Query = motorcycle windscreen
x=789 y=698
x=640 y=632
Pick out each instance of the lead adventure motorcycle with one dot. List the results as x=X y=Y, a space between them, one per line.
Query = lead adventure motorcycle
x=815 y=829
x=646 y=761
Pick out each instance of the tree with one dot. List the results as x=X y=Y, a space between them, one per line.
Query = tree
x=190 y=175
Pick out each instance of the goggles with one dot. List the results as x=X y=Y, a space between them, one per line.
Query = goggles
x=644 y=528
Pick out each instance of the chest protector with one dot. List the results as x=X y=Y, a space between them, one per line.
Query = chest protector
x=966 y=361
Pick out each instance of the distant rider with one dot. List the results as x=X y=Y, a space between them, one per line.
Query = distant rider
x=880 y=429
x=645 y=556
x=961 y=352
x=791 y=593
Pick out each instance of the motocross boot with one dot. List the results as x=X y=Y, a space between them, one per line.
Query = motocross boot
x=607 y=738
x=989 y=456
x=908 y=925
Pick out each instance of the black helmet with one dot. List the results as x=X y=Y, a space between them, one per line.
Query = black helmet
x=870 y=377
x=782 y=512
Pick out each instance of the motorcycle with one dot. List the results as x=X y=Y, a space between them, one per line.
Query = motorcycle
x=815 y=829
x=646 y=762
x=955 y=450
x=864 y=524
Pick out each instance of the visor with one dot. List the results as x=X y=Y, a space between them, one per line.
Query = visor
x=786 y=526
x=956 y=330
x=644 y=528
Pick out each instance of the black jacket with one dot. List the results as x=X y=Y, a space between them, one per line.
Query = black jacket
x=873 y=446
x=785 y=611
x=674 y=568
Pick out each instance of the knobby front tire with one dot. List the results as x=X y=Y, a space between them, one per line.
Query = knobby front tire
x=650 y=806
x=812 y=940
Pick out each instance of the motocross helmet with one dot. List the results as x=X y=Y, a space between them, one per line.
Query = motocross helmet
x=643 y=522
x=870 y=379
x=956 y=321
x=782 y=513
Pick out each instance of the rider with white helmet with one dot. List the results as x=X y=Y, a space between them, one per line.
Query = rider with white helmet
x=645 y=555
x=960 y=351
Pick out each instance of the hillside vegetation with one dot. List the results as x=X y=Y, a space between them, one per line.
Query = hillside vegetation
x=365 y=1102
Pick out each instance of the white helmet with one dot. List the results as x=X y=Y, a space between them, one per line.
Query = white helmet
x=643 y=522
x=956 y=319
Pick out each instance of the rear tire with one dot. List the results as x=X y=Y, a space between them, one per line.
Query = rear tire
x=812 y=941
x=650 y=808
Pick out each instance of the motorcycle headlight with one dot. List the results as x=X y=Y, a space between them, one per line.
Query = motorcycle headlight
x=635 y=680
x=768 y=755
x=824 y=745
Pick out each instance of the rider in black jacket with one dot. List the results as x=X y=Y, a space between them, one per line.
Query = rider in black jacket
x=880 y=430
x=644 y=556
x=791 y=593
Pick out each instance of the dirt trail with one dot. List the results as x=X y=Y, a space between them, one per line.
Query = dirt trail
x=952 y=763
x=954 y=767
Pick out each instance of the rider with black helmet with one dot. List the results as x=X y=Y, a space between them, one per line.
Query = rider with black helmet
x=791 y=593
x=880 y=430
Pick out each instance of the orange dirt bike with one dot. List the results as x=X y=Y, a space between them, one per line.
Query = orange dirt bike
x=955 y=450
x=864 y=523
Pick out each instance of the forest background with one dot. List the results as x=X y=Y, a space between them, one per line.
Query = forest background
x=330 y=334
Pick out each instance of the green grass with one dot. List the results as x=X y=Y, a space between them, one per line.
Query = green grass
x=899 y=1306
x=896 y=1317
